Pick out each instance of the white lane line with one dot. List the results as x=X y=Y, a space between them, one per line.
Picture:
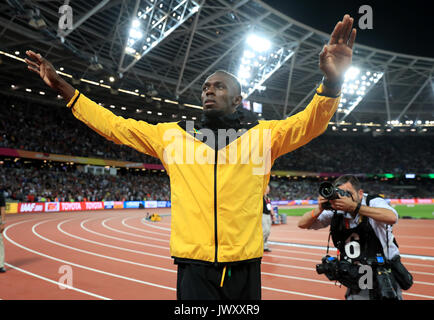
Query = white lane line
x=298 y=278
x=154 y=226
x=302 y=268
x=415 y=237
x=57 y=283
x=319 y=261
x=141 y=229
x=425 y=283
x=312 y=280
x=117 y=238
x=79 y=265
x=417 y=295
x=310 y=269
x=419 y=264
x=298 y=245
x=289 y=240
x=94 y=253
x=321 y=254
x=420 y=272
x=287 y=266
x=132 y=234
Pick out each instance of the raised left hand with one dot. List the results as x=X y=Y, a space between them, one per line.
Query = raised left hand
x=336 y=56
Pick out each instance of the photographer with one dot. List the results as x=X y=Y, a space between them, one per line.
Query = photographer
x=361 y=230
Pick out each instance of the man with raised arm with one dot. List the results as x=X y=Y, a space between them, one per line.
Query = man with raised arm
x=219 y=168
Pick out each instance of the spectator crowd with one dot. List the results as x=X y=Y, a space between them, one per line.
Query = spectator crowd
x=35 y=184
x=281 y=188
x=34 y=127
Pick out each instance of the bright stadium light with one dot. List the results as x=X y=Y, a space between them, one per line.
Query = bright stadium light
x=260 y=59
x=357 y=83
x=154 y=22
x=257 y=43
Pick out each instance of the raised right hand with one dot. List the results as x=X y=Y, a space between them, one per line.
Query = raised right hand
x=46 y=71
x=43 y=68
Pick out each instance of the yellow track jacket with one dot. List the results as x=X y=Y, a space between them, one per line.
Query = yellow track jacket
x=216 y=195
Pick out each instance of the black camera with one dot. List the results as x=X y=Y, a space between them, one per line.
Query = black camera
x=328 y=191
x=340 y=270
x=329 y=266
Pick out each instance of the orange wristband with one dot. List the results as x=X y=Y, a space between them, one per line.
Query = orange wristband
x=313 y=216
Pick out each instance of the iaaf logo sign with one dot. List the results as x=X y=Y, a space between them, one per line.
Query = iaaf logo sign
x=31 y=207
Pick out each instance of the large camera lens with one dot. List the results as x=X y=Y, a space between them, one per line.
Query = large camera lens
x=327 y=190
x=320 y=268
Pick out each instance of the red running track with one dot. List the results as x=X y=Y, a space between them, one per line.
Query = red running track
x=115 y=254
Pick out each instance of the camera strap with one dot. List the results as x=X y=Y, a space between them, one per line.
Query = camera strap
x=330 y=234
x=387 y=243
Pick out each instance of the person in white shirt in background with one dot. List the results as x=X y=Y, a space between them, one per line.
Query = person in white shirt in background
x=374 y=237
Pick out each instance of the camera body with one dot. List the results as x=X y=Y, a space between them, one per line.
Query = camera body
x=328 y=191
x=339 y=270
x=347 y=273
x=329 y=266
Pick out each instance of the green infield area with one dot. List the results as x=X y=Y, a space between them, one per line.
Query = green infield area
x=415 y=211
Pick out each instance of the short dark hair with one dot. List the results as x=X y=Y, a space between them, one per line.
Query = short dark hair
x=233 y=78
x=348 y=178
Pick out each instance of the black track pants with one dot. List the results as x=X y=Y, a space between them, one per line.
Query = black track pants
x=203 y=282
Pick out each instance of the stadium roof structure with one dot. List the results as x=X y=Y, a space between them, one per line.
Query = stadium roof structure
x=164 y=81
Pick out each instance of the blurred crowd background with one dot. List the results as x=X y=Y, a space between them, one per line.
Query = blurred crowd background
x=39 y=128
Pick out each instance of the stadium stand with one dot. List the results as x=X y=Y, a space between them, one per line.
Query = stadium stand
x=39 y=128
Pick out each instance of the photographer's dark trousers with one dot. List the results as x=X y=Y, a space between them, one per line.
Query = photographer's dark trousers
x=364 y=294
x=240 y=281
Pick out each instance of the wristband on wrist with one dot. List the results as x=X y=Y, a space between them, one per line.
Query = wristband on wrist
x=332 y=84
x=312 y=214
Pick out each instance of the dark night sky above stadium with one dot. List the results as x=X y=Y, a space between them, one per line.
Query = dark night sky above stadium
x=399 y=26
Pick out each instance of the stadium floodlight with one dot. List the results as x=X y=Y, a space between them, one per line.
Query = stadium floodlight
x=260 y=59
x=258 y=43
x=156 y=20
x=358 y=82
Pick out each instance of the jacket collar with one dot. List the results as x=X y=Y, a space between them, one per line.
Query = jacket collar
x=241 y=121
x=241 y=118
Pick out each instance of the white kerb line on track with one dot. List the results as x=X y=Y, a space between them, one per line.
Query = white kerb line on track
x=133 y=234
x=121 y=260
x=119 y=239
x=56 y=282
x=94 y=253
x=291 y=292
x=54 y=242
x=303 y=268
x=143 y=230
x=81 y=266
x=298 y=245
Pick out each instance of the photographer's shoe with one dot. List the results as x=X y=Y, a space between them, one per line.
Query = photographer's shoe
x=2 y=270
